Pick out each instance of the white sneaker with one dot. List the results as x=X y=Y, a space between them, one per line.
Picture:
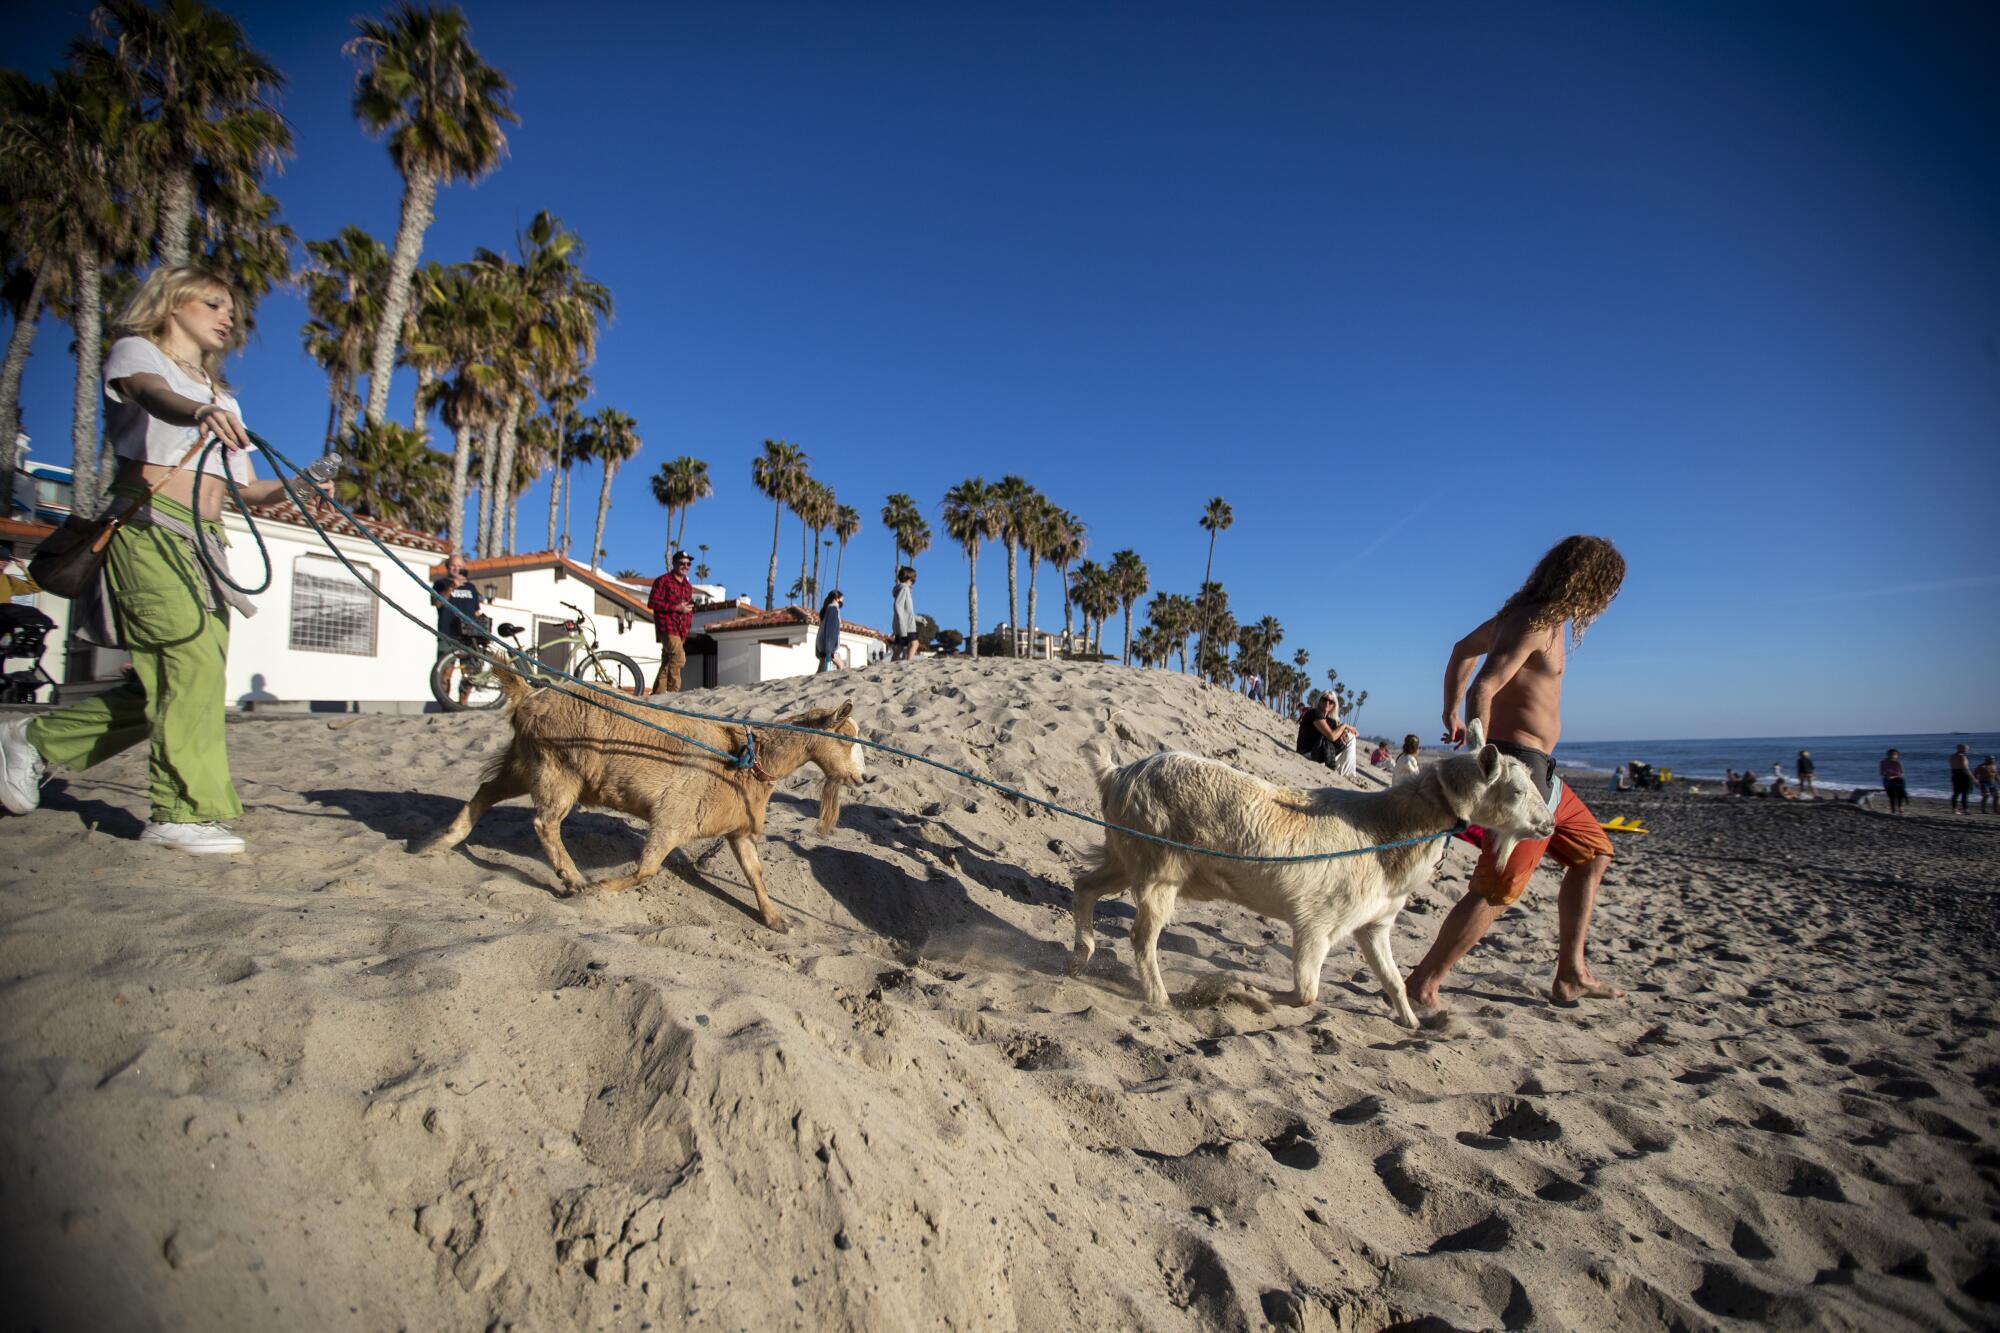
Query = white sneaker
x=21 y=768
x=196 y=839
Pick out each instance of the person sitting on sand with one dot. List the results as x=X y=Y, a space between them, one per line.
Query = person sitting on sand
x=1321 y=733
x=1779 y=789
x=1405 y=766
x=1379 y=756
x=1893 y=782
x=1988 y=778
x=1517 y=694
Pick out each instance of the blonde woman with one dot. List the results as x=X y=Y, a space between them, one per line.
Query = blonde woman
x=164 y=399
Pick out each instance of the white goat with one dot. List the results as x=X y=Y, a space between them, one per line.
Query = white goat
x=1207 y=803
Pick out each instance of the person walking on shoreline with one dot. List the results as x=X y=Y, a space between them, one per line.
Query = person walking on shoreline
x=1517 y=696
x=1894 y=785
x=1806 y=769
x=1988 y=778
x=672 y=603
x=903 y=616
x=1961 y=781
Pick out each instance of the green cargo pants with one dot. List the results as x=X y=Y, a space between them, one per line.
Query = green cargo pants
x=178 y=649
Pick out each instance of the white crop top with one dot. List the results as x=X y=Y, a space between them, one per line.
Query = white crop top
x=133 y=432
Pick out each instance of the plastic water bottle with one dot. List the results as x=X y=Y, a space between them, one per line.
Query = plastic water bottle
x=323 y=469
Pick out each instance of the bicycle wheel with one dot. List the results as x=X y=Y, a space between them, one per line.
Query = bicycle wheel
x=612 y=671
x=461 y=681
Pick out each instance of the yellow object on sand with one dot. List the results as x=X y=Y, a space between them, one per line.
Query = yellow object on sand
x=1625 y=824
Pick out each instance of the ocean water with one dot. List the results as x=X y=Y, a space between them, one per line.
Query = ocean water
x=1843 y=761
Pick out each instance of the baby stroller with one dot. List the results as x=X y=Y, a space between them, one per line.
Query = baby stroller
x=22 y=632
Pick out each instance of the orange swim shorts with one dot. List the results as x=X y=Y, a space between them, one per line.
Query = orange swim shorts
x=1577 y=841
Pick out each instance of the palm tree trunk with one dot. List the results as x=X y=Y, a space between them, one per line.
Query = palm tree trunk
x=461 y=473
x=1034 y=563
x=1128 y=634
x=972 y=599
x=680 y=539
x=419 y=197
x=804 y=540
x=18 y=345
x=483 y=511
x=771 y=579
x=603 y=509
x=177 y=217
x=555 y=490
x=1206 y=569
x=501 y=451
x=88 y=301
x=569 y=480
x=1062 y=578
x=505 y=475
x=1013 y=601
x=839 y=560
x=425 y=378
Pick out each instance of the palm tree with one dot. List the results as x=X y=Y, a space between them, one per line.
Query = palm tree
x=32 y=228
x=534 y=450
x=676 y=486
x=339 y=279
x=563 y=398
x=813 y=499
x=915 y=537
x=1300 y=658
x=1359 y=700
x=1014 y=503
x=1212 y=614
x=615 y=438
x=1064 y=544
x=846 y=522
x=1129 y=582
x=899 y=512
x=969 y=518
x=389 y=472
x=470 y=398
x=208 y=102
x=701 y=566
x=777 y=474
x=72 y=145
x=442 y=107
x=1216 y=517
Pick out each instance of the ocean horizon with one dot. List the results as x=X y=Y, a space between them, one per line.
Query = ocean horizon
x=1842 y=762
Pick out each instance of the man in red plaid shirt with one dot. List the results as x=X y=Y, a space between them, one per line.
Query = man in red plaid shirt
x=672 y=605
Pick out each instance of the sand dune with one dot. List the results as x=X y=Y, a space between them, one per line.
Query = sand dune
x=330 y=1084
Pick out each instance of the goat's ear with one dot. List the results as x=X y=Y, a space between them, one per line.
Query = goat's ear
x=1489 y=762
x=1475 y=735
x=845 y=709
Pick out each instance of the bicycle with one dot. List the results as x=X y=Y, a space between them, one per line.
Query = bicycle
x=477 y=684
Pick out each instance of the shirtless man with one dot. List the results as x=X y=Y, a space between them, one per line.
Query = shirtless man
x=1518 y=696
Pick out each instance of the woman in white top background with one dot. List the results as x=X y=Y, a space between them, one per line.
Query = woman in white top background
x=164 y=399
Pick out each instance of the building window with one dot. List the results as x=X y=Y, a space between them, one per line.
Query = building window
x=331 y=613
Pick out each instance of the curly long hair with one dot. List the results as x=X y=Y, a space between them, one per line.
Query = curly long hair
x=164 y=292
x=1575 y=581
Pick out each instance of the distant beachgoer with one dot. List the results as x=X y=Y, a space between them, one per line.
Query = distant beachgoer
x=1405 y=766
x=903 y=616
x=1961 y=781
x=1621 y=778
x=1988 y=778
x=1517 y=694
x=1893 y=783
x=1379 y=756
x=828 y=642
x=1779 y=789
x=1805 y=767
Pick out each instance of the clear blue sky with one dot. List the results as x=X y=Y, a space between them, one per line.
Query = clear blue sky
x=1418 y=289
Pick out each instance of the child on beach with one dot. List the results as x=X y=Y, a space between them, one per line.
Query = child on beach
x=1988 y=778
x=1898 y=790
x=1405 y=765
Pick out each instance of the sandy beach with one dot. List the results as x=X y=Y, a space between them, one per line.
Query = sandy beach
x=332 y=1085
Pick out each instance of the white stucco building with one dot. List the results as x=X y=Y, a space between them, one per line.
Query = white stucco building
x=764 y=645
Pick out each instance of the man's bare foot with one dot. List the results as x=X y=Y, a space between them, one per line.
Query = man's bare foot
x=1568 y=991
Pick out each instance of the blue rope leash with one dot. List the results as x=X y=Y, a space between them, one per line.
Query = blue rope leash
x=748 y=758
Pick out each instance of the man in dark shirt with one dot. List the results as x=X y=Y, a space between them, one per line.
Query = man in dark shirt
x=454 y=633
x=672 y=605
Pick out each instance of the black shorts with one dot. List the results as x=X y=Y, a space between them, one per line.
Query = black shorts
x=902 y=641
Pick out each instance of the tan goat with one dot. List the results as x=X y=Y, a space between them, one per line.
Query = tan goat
x=1206 y=803
x=568 y=752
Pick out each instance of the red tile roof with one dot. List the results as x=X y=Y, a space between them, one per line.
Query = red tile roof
x=395 y=534
x=507 y=564
x=784 y=616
